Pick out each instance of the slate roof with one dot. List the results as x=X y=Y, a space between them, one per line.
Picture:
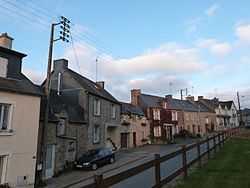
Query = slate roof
x=92 y=87
x=128 y=109
x=59 y=104
x=227 y=104
x=23 y=86
x=175 y=104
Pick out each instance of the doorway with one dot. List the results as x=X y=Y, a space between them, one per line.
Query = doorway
x=50 y=160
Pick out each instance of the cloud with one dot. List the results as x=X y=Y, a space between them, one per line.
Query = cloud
x=203 y=43
x=194 y=22
x=243 y=33
x=210 y=12
x=37 y=77
x=220 y=49
x=191 y=29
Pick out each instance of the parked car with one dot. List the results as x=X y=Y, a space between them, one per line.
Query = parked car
x=94 y=158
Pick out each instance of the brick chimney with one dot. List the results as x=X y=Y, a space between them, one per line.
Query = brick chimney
x=190 y=98
x=60 y=64
x=100 y=84
x=135 y=93
x=200 y=98
x=6 y=41
x=168 y=97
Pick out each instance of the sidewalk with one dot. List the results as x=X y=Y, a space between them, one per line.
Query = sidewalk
x=123 y=157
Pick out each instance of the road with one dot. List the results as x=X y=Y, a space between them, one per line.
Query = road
x=146 y=178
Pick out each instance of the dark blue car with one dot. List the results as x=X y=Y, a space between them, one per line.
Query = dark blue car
x=94 y=158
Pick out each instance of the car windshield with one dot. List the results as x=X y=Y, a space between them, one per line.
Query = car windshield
x=91 y=152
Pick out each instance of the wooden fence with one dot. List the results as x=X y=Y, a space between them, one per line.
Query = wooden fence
x=239 y=133
x=100 y=182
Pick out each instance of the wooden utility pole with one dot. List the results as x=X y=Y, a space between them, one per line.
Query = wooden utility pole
x=64 y=35
x=241 y=121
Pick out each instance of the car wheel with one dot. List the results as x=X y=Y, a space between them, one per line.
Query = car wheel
x=94 y=166
x=111 y=160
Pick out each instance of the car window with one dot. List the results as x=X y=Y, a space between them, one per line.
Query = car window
x=107 y=152
x=91 y=152
x=102 y=152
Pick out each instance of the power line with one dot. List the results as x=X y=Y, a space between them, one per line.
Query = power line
x=73 y=46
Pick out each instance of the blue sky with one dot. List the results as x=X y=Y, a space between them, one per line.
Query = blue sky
x=199 y=45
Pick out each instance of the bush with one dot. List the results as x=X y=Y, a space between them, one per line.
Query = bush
x=184 y=133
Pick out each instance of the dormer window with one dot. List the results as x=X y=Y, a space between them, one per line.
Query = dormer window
x=3 y=67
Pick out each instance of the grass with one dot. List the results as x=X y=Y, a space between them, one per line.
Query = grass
x=230 y=168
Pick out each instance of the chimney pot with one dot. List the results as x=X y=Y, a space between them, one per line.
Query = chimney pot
x=100 y=84
x=190 y=98
x=6 y=41
x=168 y=96
x=200 y=97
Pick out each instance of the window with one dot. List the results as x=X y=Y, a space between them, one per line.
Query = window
x=3 y=168
x=207 y=120
x=97 y=107
x=165 y=105
x=156 y=114
x=3 y=67
x=174 y=116
x=61 y=128
x=112 y=111
x=157 y=131
x=4 y=116
x=96 y=133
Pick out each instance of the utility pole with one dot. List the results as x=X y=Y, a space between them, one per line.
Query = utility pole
x=182 y=106
x=241 y=122
x=64 y=22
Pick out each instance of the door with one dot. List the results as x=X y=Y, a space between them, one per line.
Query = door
x=124 y=140
x=50 y=160
x=134 y=139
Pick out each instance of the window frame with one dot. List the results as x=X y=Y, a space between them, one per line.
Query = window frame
x=11 y=105
x=113 y=111
x=96 y=134
x=97 y=107
x=156 y=114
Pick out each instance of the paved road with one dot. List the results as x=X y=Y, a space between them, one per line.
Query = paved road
x=125 y=160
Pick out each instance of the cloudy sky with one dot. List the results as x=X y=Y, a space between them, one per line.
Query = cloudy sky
x=158 y=46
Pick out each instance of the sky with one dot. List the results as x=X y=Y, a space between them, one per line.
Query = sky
x=158 y=46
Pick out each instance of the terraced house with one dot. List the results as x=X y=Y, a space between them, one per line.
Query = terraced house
x=168 y=115
x=82 y=116
x=226 y=112
x=19 y=119
x=135 y=127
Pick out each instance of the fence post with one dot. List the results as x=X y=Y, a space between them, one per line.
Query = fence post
x=184 y=161
x=198 y=153
x=223 y=139
x=157 y=171
x=214 y=143
x=98 y=180
x=208 y=148
x=219 y=135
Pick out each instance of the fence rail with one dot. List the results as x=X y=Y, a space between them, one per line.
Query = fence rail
x=100 y=182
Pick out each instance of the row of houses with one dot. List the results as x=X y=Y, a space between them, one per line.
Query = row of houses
x=84 y=115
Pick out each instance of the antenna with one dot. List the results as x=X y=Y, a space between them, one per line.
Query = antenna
x=96 y=67
x=170 y=87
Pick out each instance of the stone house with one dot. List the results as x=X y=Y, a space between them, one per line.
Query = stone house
x=83 y=115
x=226 y=113
x=135 y=129
x=168 y=115
x=163 y=121
x=19 y=119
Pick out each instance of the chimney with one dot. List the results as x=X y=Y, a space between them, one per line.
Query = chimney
x=60 y=64
x=168 y=97
x=190 y=98
x=135 y=93
x=200 y=98
x=100 y=84
x=6 y=41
